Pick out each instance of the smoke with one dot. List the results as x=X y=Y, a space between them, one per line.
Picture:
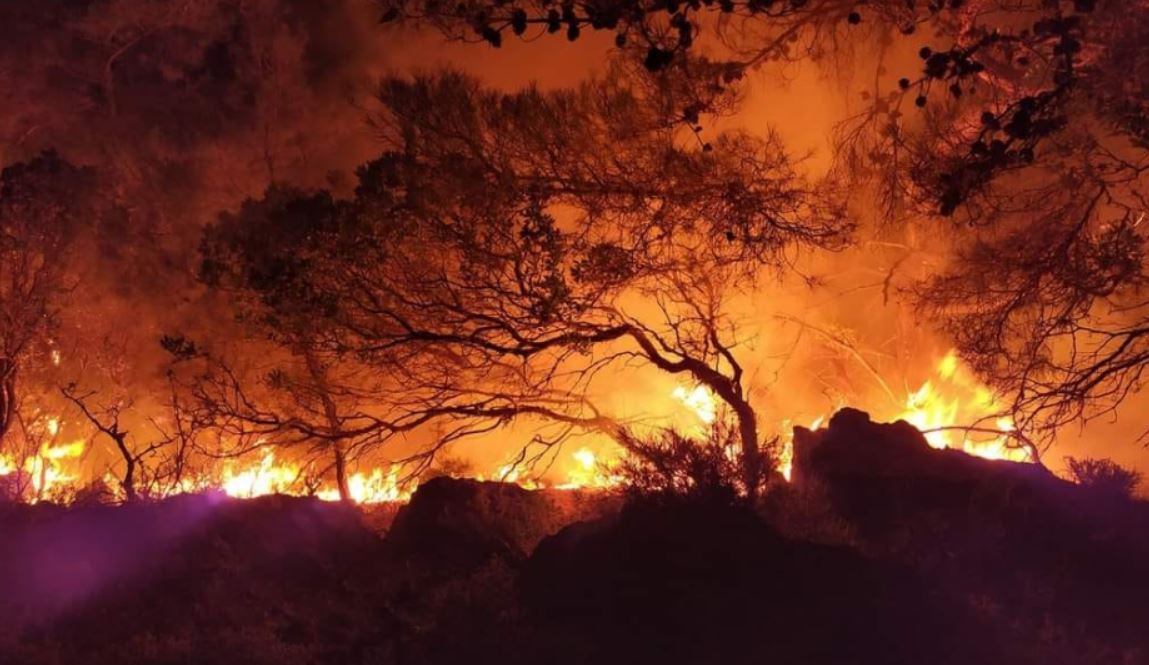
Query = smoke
x=184 y=109
x=191 y=106
x=55 y=563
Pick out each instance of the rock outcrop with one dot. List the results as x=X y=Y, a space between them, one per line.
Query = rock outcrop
x=458 y=523
x=1061 y=565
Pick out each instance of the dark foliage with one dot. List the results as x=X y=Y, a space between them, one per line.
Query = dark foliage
x=448 y=291
x=1104 y=476
x=196 y=579
x=1030 y=125
x=48 y=206
x=457 y=525
x=1031 y=56
x=673 y=467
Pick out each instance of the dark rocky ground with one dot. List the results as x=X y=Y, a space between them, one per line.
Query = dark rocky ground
x=883 y=551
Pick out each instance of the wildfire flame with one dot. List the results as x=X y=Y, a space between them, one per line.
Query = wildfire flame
x=953 y=410
x=51 y=473
x=700 y=400
x=947 y=420
x=589 y=472
x=941 y=407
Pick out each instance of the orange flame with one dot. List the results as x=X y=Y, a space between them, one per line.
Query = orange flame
x=953 y=410
x=940 y=407
x=49 y=474
x=948 y=421
x=700 y=400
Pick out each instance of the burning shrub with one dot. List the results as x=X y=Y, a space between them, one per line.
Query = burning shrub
x=672 y=464
x=1103 y=475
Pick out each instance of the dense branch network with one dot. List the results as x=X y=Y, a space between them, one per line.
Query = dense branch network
x=510 y=248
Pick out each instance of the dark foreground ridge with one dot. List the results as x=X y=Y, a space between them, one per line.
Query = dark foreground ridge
x=883 y=551
x=1058 y=567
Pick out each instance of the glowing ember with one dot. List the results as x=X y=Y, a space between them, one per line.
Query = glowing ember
x=267 y=477
x=786 y=453
x=585 y=471
x=584 y=457
x=953 y=410
x=64 y=451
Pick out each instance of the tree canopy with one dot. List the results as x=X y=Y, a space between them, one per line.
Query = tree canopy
x=47 y=208
x=1022 y=126
x=489 y=262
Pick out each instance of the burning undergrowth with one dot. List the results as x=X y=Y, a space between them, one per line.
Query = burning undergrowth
x=951 y=407
x=614 y=299
x=882 y=550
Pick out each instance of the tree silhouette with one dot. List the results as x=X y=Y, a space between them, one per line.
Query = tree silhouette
x=1019 y=73
x=1026 y=121
x=508 y=248
x=46 y=204
x=263 y=257
x=154 y=465
x=1046 y=290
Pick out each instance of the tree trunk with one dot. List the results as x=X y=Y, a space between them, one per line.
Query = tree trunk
x=109 y=86
x=334 y=425
x=729 y=390
x=129 y=479
x=751 y=454
x=341 y=472
x=7 y=397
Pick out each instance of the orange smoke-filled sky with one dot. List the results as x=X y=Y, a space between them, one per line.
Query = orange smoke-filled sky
x=326 y=133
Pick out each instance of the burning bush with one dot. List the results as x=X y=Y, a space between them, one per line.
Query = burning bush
x=672 y=464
